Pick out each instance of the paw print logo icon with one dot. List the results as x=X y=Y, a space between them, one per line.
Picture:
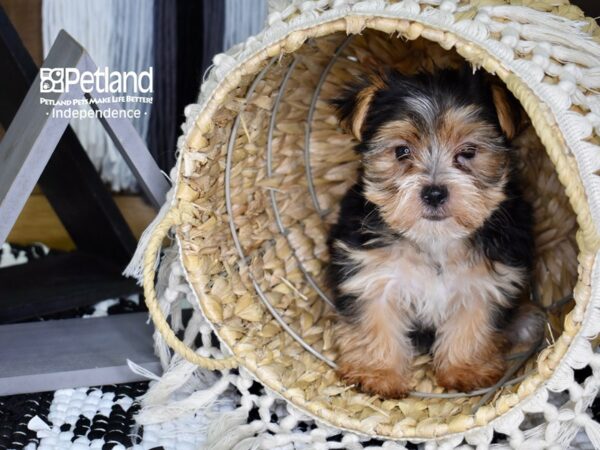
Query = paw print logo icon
x=52 y=80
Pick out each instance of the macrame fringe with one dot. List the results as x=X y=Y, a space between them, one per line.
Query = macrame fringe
x=228 y=430
x=141 y=371
x=592 y=429
x=523 y=14
x=174 y=409
x=135 y=268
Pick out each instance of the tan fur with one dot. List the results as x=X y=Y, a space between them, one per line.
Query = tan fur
x=439 y=287
x=506 y=113
x=373 y=353
x=363 y=101
x=395 y=186
x=469 y=356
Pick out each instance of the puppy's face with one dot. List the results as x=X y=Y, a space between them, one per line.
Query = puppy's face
x=434 y=149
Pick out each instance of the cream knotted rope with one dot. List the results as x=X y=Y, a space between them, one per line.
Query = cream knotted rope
x=159 y=319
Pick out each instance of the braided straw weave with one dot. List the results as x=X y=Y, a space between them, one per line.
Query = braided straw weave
x=263 y=165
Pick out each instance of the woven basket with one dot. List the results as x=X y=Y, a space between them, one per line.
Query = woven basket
x=263 y=164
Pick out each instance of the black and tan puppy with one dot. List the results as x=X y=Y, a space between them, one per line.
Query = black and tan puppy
x=433 y=247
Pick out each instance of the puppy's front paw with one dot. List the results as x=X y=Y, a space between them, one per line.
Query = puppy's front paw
x=470 y=376
x=386 y=383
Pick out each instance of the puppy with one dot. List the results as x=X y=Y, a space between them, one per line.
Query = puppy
x=433 y=247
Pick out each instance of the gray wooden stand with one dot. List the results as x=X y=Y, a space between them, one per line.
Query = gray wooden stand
x=34 y=134
x=56 y=354
x=48 y=355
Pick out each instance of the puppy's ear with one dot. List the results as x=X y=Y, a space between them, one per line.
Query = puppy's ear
x=352 y=105
x=507 y=108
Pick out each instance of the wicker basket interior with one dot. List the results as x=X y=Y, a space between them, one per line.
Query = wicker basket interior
x=255 y=226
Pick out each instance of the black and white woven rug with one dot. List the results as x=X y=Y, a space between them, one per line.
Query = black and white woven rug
x=95 y=417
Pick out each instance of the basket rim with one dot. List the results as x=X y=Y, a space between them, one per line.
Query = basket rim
x=543 y=120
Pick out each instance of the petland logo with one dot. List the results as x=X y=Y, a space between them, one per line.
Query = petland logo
x=102 y=81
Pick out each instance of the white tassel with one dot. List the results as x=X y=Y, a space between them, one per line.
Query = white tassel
x=527 y=15
x=536 y=402
x=136 y=368
x=569 y=39
x=171 y=410
x=510 y=421
x=409 y=6
x=549 y=28
x=135 y=268
x=176 y=376
x=592 y=429
x=229 y=429
x=168 y=295
x=257 y=442
x=580 y=353
x=480 y=436
x=162 y=350
x=565 y=54
x=562 y=377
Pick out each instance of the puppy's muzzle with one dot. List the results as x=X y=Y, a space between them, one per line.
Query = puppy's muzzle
x=434 y=195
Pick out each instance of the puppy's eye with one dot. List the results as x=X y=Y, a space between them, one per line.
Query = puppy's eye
x=465 y=154
x=402 y=152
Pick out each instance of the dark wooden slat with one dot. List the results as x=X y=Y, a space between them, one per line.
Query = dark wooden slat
x=69 y=180
x=45 y=356
x=59 y=282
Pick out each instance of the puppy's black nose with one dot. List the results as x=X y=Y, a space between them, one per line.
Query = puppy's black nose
x=434 y=195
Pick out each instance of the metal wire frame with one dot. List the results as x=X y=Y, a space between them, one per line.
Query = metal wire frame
x=234 y=234
x=505 y=378
x=309 y=120
x=487 y=393
x=273 y=194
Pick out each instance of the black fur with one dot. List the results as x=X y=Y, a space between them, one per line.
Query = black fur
x=446 y=87
x=422 y=338
x=507 y=235
x=359 y=226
